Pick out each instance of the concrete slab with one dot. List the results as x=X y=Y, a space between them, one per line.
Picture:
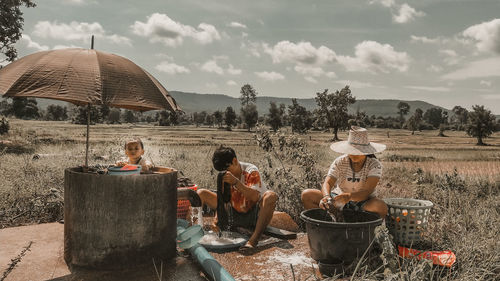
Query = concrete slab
x=43 y=259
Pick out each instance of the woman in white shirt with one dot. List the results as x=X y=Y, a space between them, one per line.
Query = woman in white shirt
x=352 y=177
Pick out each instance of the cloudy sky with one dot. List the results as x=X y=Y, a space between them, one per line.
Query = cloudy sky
x=446 y=52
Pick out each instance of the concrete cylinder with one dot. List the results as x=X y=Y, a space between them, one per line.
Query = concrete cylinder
x=113 y=222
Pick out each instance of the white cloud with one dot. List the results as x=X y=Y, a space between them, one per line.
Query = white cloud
x=231 y=83
x=331 y=74
x=76 y=31
x=385 y=3
x=434 y=68
x=424 y=39
x=233 y=71
x=211 y=85
x=485 y=83
x=75 y=2
x=60 y=46
x=309 y=70
x=237 y=25
x=302 y=52
x=161 y=28
x=489 y=67
x=356 y=84
x=171 y=68
x=487 y=35
x=26 y=39
x=270 y=76
x=371 y=56
x=406 y=14
x=311 y=79
x=213 y=67
x=491 y=97
x=429 y=89
x=253 y=49
x=451 y=56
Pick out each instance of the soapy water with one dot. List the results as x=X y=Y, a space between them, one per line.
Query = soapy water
x=227 y=238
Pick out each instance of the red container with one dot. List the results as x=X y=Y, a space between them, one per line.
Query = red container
x=183 y=205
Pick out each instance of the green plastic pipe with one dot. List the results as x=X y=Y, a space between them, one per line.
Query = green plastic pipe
x=209 y=264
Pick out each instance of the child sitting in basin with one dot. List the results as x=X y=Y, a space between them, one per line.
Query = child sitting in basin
x=134 y=149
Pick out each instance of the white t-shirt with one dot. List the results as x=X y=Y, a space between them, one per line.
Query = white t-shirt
x=347 y=179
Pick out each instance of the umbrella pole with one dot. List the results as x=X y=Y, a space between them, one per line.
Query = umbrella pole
x=88 y=117
x=87 y=143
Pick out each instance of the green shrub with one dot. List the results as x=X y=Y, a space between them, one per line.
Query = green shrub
x=4 y=125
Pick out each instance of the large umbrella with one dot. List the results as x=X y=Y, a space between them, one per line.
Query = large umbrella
x=85 y=77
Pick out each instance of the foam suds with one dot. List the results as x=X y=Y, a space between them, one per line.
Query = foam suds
x=227 y=238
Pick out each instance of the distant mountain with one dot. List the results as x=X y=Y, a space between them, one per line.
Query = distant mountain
x=193 y=102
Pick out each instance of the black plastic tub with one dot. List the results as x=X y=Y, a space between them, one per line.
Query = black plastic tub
x=346 y=241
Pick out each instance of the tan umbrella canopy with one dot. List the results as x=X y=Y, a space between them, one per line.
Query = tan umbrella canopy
x=85 y=77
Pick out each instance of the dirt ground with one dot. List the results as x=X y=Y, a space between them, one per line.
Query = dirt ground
x=36 y=253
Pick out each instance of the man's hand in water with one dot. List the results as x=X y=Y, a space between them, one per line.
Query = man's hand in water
x=230 y=178
x=326 y=203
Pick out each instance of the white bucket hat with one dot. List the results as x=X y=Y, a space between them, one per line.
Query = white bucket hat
x=357 y=143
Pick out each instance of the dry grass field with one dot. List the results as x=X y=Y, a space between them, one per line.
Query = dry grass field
x=461 y=179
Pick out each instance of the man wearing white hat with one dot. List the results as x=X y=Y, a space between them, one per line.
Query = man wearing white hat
x=355 y=174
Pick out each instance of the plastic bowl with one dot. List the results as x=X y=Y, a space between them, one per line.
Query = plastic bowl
x=115 y=170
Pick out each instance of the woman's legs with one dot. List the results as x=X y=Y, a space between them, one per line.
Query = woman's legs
x=310 y=198
x=377 y=206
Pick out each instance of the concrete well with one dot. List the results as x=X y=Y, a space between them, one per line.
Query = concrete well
x=113 y=222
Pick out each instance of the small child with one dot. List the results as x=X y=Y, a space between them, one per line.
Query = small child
x=134 y=149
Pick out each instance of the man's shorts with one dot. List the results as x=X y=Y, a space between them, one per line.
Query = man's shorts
x=248 y=219
x=352 y=205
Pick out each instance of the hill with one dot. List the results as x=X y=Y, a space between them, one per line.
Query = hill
x=194 y=102
x=191 y=102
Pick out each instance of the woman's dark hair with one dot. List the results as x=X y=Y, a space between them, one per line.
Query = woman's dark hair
x=223 y=157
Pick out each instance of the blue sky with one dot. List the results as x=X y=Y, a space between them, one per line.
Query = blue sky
x=446 y=52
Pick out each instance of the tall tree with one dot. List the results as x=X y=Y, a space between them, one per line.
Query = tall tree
x=11 y=26
x=219 y=118
x=333 y=108
x=209 y=120
x=481 y=123
x=403 y=109
x=250 y=115
x=57 y=112
x=415 y=120
x=174 y=117
x=248 y=95
x=114 y=116
x=461 y=115
x=25 y=108
x=129 y=116
x=300 y=118
x=80 y=115
x=229 y=117
x=435 y=116
x=275 y=117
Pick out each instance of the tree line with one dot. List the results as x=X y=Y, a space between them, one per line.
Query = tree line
x=331 y=114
